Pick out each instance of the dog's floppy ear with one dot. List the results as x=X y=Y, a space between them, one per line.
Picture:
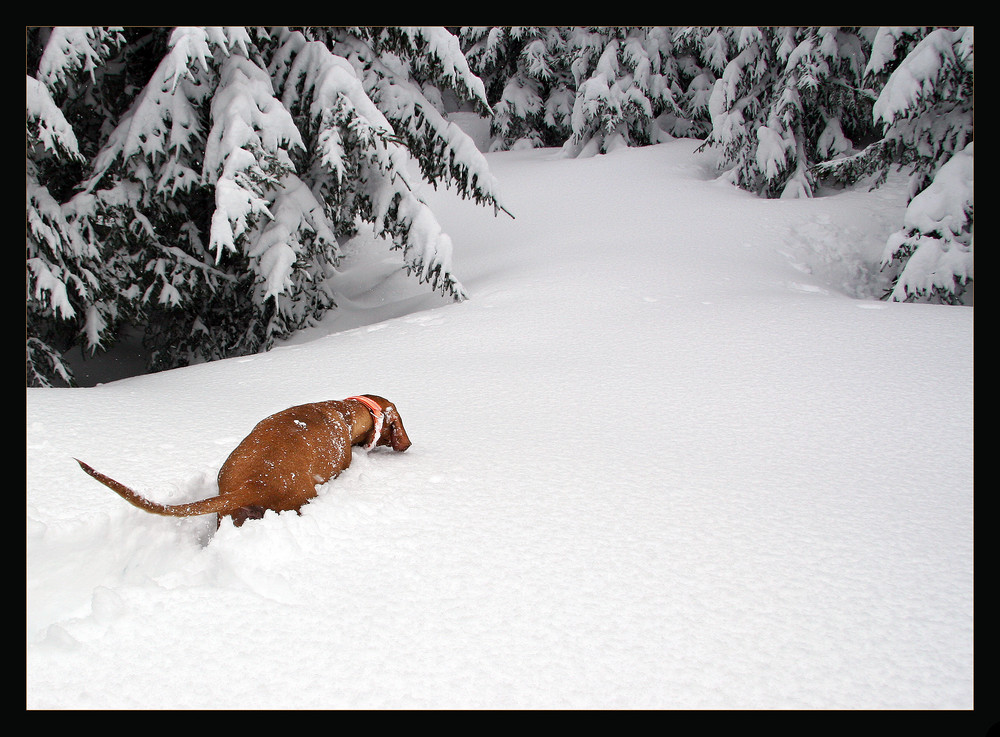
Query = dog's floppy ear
x=398 y=438
x=392 y=425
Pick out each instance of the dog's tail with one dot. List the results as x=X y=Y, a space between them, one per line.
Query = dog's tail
x=216 y=504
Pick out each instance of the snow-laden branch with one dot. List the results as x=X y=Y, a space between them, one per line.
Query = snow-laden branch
x=246 y=152
x=74 y=49
x=442 y=149
x=885 y=47
x=438 y=50
x=295 y=215
x=46 y=121
x=327 y=89
x=163 y=121
x=922 y=71
x=936 y=241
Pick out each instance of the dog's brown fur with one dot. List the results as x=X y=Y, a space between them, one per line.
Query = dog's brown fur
x=278 y=465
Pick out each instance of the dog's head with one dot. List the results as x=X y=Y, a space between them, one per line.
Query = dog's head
x=393 y=433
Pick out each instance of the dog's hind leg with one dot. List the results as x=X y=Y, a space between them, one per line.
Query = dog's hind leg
x=247 y=511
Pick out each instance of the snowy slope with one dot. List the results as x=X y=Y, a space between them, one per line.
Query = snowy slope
x=668 y=455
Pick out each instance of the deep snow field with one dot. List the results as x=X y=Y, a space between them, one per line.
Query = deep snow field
x=672 y=453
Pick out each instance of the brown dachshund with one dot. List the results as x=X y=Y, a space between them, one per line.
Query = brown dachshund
x=279 y=464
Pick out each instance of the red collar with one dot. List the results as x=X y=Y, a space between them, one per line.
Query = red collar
x=378 y=417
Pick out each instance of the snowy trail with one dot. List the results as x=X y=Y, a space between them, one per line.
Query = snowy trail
x=659 y=460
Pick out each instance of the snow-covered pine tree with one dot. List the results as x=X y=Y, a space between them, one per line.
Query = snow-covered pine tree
x=824 y=102
x=932 y=254
x=182 y=186
x=926 y=107
x=889 y=45
x=70 y=292
x=789 y=98
x=527 y=81
x=701 y=54
x=921 y=79
x=625 y=79
x=218 y=198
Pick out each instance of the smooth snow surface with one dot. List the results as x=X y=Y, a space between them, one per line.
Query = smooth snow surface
x=671 y=453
